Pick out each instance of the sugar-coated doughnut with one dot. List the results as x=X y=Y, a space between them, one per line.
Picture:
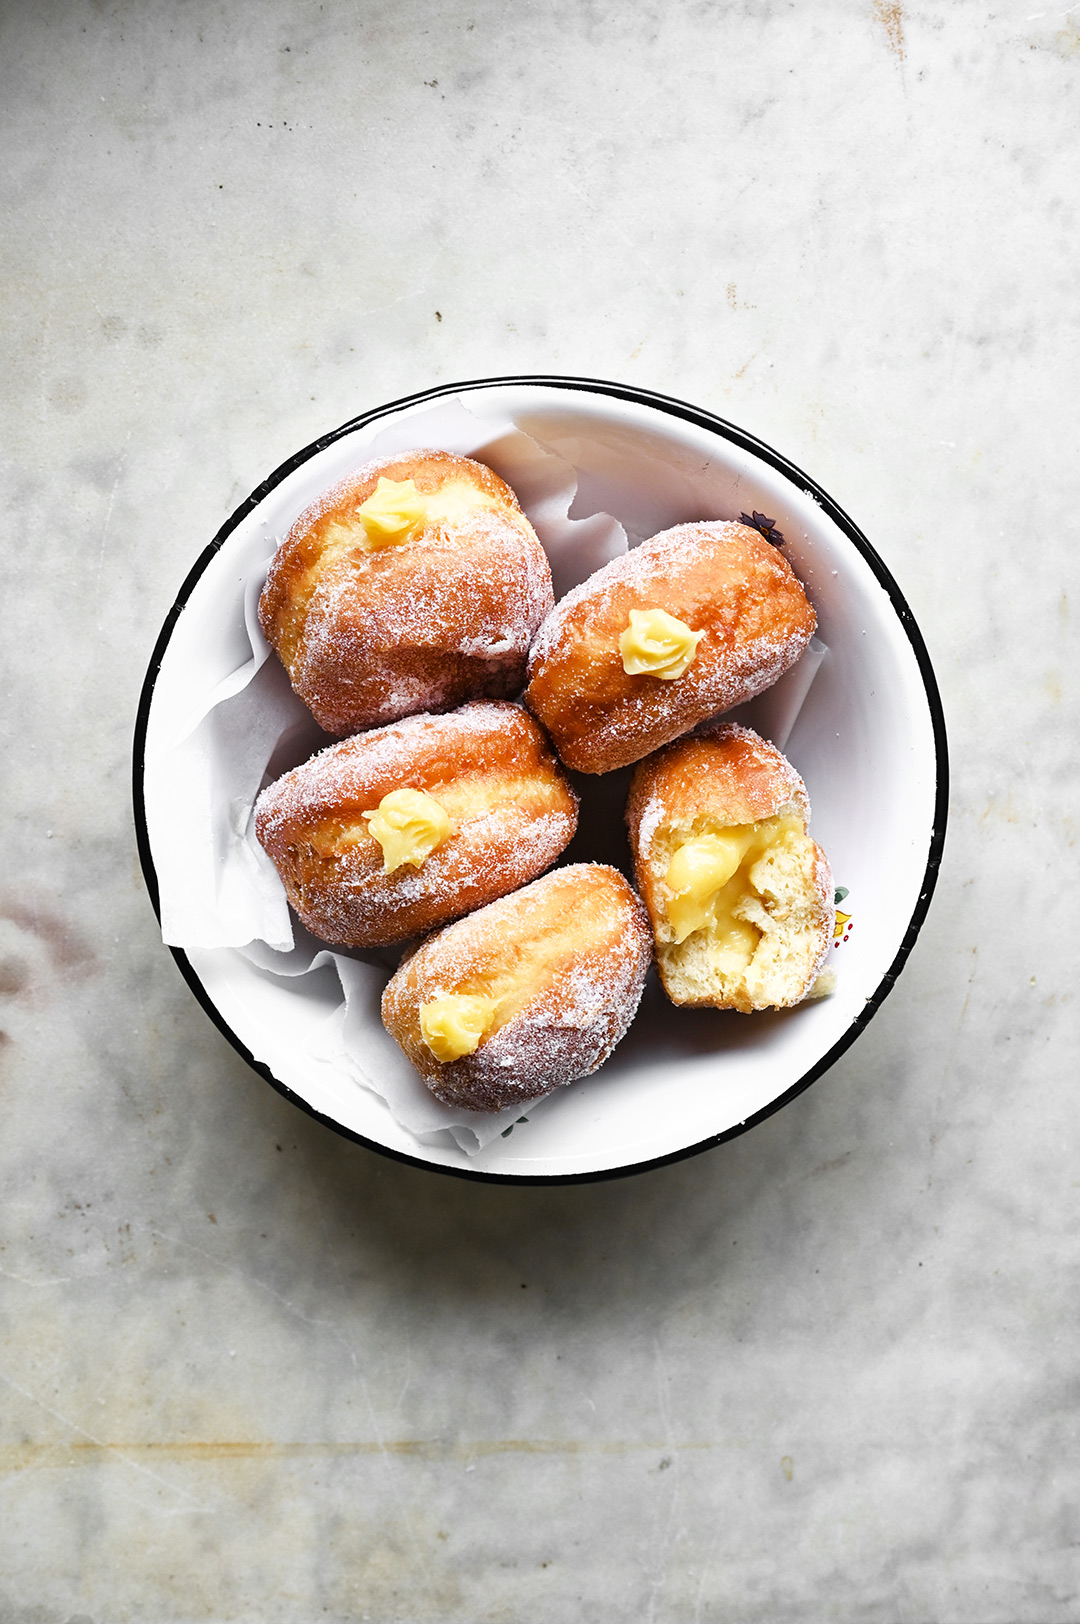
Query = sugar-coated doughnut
x=413 y=585
x=393 y=832
x=700 y=618
x=740 y=898
x=527 y=994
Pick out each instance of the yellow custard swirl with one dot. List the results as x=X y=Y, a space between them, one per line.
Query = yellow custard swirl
x=391 y=513
x=655 y=644
x=455 y=1024
x=396 y=511
x=409 y=825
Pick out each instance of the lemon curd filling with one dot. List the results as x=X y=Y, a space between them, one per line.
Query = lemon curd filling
x=409 y=825
x=455 y=1024
x=395 y=511
x=511 y=977
x=714 y=882
x=657 y=645
x=391 y=512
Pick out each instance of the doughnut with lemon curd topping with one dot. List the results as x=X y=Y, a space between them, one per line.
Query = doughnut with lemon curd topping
x=393 y=832
x=739 y=896
x=414 y=585
x=700 y=618
x=525 y=995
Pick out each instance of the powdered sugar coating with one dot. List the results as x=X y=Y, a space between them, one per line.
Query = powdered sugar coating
x=446 y=616
x=487 y=764
x=573 y=1017
x=720 y=578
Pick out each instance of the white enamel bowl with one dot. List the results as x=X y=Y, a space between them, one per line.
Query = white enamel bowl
x=869 y=741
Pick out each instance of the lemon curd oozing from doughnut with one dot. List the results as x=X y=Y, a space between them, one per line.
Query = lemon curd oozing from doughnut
x=402 y=514
x=319 y=853
x=413 y=585
x=720 y=882
x=657 y=644
x=391 y=513
x=396 y=511
x=455 y=1024
x=513 y=975
x=408 y=824
x=461 y=800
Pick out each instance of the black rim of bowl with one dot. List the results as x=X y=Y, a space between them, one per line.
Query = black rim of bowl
x=747 y=442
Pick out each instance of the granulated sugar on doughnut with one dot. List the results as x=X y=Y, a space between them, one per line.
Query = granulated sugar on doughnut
x=413 y=585
x=393 y=832
x=525 y=995
x=740 y=897
x=689 y=624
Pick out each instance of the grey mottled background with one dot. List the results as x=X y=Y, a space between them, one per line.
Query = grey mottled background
x=249 y=1372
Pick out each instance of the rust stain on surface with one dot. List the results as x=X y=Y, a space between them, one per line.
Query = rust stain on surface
x=1067 y=40
x=14 y=975
x=87 y=1452
x=890 y=14
x=66 y=947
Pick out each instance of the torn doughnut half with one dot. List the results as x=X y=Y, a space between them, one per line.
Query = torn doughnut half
x=739 y=896
x=414 y=585
x=525 y=995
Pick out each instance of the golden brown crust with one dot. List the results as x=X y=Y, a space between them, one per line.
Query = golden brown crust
x=730 y=770
x=569 y=952
x=488 y=765
x=732 y=777
x=446 y=616
x=724 y=580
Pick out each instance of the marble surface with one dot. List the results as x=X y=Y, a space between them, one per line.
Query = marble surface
x=251 y=1372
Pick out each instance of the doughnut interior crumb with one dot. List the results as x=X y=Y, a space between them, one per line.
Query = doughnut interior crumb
x=823 y=987
x=742 y=928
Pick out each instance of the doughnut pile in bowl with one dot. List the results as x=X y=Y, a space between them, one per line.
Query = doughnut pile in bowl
x=540 y=779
